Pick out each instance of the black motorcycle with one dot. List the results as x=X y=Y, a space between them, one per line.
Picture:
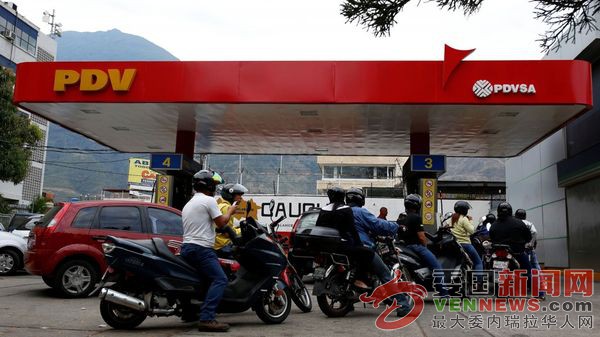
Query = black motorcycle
x=336 y=268
x=452 y=257
x=146 y=279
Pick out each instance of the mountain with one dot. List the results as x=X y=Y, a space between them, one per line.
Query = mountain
x=112 y=45
x=70 y=174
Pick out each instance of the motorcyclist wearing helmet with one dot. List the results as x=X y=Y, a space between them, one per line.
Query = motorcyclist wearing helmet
x=485 y=223
x=200 y=215
x=230 y=193
x=530 y=247
x=338 y=215
x=415 y=237
x=368 y=224
x=462 y=229
x=511 y=231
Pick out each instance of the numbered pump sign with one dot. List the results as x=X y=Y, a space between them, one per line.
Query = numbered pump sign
x=429 y=193
x=166 y=161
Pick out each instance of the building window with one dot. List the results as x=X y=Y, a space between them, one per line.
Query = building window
x=358 y=172
x=44 y=56
x=32 y=185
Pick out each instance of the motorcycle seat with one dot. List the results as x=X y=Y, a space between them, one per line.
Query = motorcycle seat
x=163 y=251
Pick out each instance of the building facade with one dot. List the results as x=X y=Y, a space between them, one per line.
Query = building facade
x=558 y=180
x=379 y=176
x=22 y=41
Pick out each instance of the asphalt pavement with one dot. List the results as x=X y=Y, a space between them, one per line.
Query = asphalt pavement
x=29 y=308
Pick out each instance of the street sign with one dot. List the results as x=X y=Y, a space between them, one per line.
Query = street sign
x=427 y=163
x=164 y=190
x=166 y=161
x=429 y=193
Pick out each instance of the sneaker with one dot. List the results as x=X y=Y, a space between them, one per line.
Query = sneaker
x=212 y=326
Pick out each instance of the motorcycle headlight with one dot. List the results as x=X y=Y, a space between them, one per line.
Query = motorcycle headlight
x=108 y=247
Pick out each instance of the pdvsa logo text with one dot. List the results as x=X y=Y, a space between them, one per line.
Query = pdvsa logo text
x=484 y=88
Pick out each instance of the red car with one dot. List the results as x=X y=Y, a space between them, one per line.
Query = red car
x=65 y=246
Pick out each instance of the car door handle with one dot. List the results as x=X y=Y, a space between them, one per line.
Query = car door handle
x=99 y=237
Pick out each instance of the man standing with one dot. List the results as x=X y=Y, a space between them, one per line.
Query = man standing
x=200 y=215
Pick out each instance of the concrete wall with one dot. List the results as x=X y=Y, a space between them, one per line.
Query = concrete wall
x=531 y=184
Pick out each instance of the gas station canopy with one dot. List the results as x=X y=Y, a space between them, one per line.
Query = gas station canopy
x=468 y=108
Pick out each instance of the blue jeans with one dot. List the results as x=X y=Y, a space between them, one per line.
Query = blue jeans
x=477 y=263
x=385 y=275
x=523 y=259
x=207 y=264
x=533 y=259
x=433 y=264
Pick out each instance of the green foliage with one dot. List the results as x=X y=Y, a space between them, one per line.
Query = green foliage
x=38 y=205
x=17 y=134
x=4 y=206
x=565 y=19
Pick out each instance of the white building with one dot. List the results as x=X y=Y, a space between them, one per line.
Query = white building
x=375 y=174
x=22 y=41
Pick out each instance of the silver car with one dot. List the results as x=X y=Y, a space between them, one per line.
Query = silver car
x=12 y=250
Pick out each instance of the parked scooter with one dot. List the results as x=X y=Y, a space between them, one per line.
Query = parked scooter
x=453 y=258
x=146 y=279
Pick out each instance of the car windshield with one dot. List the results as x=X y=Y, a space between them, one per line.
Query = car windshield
x=308 y=220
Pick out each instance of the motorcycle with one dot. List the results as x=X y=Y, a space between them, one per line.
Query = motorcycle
x=296 y=289
x=498 y=258
x=454 y=260
x=335 y=270
x=145 y=279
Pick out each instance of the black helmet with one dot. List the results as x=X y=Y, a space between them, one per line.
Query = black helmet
x=489 y=219
x=336 y=194
x=355 y=196
x=462 y=207
x=521 y=214
x=206 y=180
x=413 y=201
x=229 y=190
x=504 y=209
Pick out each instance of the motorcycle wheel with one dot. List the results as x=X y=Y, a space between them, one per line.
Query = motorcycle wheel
x=298 y=293
x=120 y=317
x=274 y=306
x=328 y=307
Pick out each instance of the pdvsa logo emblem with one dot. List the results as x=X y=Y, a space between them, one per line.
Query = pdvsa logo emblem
x=483 y=88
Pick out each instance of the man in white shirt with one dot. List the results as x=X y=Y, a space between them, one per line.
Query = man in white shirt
x=200 y=215
x=530 y=247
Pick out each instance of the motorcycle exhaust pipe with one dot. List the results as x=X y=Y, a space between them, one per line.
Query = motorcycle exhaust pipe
x=122 y=299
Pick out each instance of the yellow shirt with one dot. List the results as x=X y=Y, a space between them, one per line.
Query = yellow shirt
x=463 y=229
x=222 y=240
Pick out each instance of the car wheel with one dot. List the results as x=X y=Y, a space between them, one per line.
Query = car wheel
x=10 y=261
x=76 y=278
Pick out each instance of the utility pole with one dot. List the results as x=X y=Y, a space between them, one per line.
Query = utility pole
x=240 y=179
x=279 y=173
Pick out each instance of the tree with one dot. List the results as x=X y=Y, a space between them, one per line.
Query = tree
x=17 y=134
x=565 y=19
x=4 y=206
x=38 y=205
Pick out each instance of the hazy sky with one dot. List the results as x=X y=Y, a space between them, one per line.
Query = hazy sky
x=300 y=29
